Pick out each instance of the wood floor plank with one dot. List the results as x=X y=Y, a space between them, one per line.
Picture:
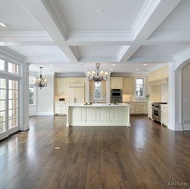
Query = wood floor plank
x=50 y=155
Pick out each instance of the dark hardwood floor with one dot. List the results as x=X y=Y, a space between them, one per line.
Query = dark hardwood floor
x=50 y=155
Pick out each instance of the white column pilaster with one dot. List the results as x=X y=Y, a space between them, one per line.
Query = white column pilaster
x=108 y=90
x=24 y=101
x=87 y=90
x=175 y=99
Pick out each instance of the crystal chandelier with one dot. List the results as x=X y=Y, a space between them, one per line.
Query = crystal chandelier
x=97 y=75
x=40 y=81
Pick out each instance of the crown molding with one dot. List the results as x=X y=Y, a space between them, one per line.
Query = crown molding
x=10 y=55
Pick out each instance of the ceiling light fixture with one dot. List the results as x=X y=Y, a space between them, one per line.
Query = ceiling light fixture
x=97 y=75
x=40 y=81
x=4 y=25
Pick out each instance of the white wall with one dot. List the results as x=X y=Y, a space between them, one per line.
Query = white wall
x=45 y=98
x=186 y=96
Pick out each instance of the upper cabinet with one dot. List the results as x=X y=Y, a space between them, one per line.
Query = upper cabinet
x=159 y=74
x=128 y=85
x=116 y=82
x=61 y=86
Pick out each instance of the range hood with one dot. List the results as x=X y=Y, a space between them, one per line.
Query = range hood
x=159 y=82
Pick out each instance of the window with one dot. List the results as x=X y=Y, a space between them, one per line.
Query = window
x=12 y=68
x=97 y=90
x=2 y=65
x=139 y=87
x=31 y=95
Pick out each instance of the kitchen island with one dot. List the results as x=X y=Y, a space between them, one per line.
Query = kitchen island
x=98 y=115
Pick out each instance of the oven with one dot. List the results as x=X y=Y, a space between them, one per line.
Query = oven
x=116 y=95
x=156 y=111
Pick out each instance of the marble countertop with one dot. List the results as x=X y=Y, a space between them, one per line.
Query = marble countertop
x=100 y=105
x=135 y=101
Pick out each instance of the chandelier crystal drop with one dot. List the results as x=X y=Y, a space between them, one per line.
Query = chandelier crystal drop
x=40 y=81
x=97 y=75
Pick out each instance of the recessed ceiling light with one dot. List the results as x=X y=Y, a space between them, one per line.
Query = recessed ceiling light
x=100 y=11
x=113 y=64
x=4 y=25
x=145 y=64
x=111 y=69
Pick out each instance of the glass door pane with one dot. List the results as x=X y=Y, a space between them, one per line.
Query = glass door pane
x=3 y=105
x=13 y=104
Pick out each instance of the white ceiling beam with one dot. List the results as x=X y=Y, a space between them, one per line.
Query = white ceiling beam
x=50 y=24
x=161 y=12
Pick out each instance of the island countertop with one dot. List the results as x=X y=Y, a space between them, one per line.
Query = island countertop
x=99 y=105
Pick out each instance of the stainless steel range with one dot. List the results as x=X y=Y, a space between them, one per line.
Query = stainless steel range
x=156 y=110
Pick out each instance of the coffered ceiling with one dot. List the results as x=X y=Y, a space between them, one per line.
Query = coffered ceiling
x=71 y=36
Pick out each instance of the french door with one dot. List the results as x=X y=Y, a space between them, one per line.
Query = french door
x=9 y=106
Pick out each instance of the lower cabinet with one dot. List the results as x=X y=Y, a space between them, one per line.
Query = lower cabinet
x=60 y=108
x=164 y=115
x=149 y=110
x=138 y=108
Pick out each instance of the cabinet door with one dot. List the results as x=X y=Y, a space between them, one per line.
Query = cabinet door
x=116 y=82
x=149 y=110
x=105 y=114
x=76 y=94
x=132 y=107
x=164 y=115
x=119 y=114
x=165 y=72
x=61 y=85
x=79 y=94
x=72 y=92
x=139 y=108
x=92 y=115
x=129 y=85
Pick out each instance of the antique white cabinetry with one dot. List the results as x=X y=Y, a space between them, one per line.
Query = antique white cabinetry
x=76 y=80
x=128 y=85
x=138 y=108
x=98 y=115
x=61 y=86
x=159 y=74
x=76 y=89
x=116 y=82
x=149 y=110
x=76 y=94
x=60 y=107
x=164 y=114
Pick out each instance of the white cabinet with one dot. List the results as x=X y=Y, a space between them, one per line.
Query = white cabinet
x=164 y=114
x=61 y=86
x=116 y=82
x=76 y=94
x=76 y=79
x=60 y=107
x=139 y=108
x=159 y=74
x=129 y=85
x=149 y=110
x=98 y=116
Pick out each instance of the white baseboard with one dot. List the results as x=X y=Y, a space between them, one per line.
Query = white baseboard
x=45 y=113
